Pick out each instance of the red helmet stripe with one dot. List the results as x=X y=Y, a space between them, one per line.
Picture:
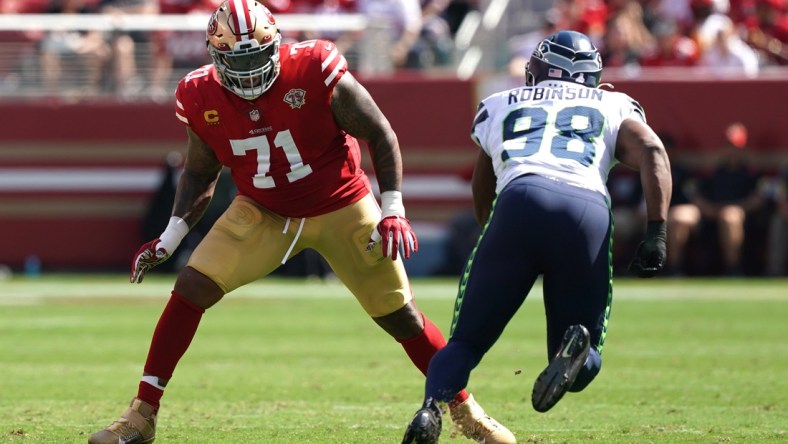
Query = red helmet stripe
x=242 y=19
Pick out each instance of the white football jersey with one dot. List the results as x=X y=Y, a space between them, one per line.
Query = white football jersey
x=555 y=129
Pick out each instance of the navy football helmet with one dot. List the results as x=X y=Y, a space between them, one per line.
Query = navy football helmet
x=569 y=56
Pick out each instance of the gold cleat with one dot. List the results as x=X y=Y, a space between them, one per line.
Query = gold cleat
x=470 y=420
x=136 y=426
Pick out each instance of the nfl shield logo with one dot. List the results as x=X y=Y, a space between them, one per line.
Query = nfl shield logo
x=254 y=115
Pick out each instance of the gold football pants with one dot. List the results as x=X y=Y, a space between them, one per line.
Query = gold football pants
x=248 y=242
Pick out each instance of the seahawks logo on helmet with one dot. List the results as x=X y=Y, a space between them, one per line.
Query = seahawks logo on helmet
x=568 y=56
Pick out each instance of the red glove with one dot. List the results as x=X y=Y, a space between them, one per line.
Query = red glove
x=395 y=232
x=158 y=250
x=148 y=256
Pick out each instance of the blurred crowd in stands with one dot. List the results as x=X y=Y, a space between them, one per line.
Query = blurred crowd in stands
x=420 y=36
x=735 y=37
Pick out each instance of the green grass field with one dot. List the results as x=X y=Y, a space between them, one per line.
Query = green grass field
x=287 y=361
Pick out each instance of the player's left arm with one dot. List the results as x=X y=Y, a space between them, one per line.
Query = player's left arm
x=638 y=147
x=356 y=113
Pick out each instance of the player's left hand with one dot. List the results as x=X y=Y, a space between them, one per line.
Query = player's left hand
x=394 y=232
x=651 y=253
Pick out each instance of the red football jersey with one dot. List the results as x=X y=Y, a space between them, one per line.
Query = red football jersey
x=284 y=148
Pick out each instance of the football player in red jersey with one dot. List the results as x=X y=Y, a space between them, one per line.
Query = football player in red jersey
x=285 y=119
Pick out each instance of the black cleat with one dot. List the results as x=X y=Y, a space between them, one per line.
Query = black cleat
x=560 y=374
x=425 y=427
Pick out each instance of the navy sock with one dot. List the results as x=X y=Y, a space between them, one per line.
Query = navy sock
x=450 y=370
x=589 y=371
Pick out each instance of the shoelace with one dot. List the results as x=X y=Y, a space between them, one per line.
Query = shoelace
x=125 y=430
x=479 y=429
x=132 y=436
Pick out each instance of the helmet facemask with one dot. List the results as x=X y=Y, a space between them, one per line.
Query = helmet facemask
x=250 y=69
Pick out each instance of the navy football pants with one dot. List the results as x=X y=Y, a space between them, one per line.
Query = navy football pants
x=537 y=226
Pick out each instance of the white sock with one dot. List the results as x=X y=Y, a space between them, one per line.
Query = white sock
x=152 y=380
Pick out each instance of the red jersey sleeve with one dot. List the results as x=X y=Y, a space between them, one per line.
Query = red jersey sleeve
x=332 y=63
x=187 y=96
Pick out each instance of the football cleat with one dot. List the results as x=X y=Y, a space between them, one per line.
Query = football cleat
x=470 y=420
x=425 y=427
x=136 y=426
x=560 y=374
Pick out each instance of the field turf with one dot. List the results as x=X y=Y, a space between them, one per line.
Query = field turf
x=291 y=361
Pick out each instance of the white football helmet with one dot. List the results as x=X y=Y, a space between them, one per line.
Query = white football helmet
x=243 y=41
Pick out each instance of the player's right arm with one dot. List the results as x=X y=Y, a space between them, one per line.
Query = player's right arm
x=483 y=187
x=639 y=148
x=484 y=181
x=198 y=181
x=192 y=196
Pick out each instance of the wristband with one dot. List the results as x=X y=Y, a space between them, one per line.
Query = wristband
x=391 y=204
x=656 y=229
x=172 y=236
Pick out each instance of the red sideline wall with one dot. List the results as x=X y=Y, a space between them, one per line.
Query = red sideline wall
x=696 y=113
x=97 y=227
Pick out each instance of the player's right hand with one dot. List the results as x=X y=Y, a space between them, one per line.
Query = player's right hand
x=148 y=256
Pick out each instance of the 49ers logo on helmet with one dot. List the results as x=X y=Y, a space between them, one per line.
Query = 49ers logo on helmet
x=269 y=16
x=213 y=24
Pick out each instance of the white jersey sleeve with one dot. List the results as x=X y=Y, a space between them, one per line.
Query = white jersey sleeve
x=558 y=130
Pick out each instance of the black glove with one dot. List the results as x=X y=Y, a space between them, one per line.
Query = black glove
x=650 y=255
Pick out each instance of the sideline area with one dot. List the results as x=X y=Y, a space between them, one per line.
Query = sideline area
x=22 y=291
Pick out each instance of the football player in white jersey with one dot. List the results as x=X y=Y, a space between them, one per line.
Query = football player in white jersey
x=539 y=192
